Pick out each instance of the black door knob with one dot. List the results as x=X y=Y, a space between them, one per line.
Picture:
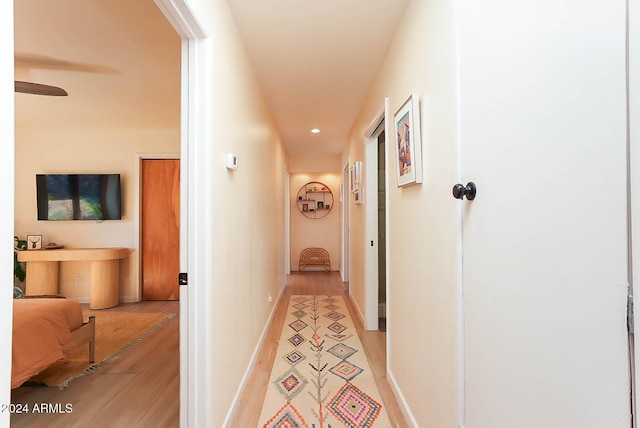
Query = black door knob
x=460 y=191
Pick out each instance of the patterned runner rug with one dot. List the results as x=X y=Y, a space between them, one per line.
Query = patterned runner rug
x=321 y=377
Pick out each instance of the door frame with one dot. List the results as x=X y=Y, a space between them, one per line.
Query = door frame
x=344 y=199
x=194 y=191
x=371 y=280
x=633 y=144
x=138 y=210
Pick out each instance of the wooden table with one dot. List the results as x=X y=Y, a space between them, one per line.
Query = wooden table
x=42 y=272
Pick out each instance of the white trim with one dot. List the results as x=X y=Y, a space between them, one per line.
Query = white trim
x=371 y=243
x=633 y=105
x=195 y=325
x=402 y=402
x=287 y=223
x=371 y=280
x=345 y=218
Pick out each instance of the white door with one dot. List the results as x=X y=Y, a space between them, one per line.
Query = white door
x=543 y=134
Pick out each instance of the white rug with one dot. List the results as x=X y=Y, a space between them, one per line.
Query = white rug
x=321 y=377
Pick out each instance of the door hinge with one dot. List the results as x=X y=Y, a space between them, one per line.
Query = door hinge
x=630 y=321
x=183 y=278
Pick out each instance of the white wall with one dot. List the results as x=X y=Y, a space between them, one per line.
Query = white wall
x=422 y=232
x=244 y=236
x=321 y=232
x=6 y=214
x=87 y=151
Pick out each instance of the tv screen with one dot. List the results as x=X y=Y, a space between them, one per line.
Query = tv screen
x=78 y=196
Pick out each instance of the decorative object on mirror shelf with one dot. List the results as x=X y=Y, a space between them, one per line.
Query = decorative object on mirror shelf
x=34 y=242
x=356 y=175
x=314 y=200
x=408 y=144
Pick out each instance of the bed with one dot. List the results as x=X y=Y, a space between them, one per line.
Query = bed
x=44 y=330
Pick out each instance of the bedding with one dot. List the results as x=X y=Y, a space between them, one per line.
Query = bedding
x=41 y=334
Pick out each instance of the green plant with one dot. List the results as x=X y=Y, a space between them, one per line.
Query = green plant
x=18 y=272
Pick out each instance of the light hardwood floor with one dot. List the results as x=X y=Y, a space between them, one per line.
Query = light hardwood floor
x=249 y=406
x=141 y=388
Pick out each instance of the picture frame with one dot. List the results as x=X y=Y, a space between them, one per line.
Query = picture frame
x=355 y=175
x=408 y=142
x=34 y=242
x=357 y=196
x=305 y=207
x=320 y=205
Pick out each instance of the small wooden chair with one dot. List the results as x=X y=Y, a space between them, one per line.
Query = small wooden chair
x=314 y=257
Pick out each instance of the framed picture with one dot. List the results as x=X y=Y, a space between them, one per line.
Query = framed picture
x=327 y=206
x=305 y=207
x=34 y=242
x=408 y=145
x=356 y=175
x=320 y=205
x=357 y=196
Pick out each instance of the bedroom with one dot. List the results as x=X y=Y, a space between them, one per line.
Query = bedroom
x=93 y=130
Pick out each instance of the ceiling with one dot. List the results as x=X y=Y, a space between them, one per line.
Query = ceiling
x=315 y=61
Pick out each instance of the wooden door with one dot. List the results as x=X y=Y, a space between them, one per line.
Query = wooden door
x=543 y=126
x=160 y=225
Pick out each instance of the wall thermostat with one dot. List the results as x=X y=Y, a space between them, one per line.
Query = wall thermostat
x=232 y=162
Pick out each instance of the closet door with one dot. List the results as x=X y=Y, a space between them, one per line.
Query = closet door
x=543 y=126
x=160 y=226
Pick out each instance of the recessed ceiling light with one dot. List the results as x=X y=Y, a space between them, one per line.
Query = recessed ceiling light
x=315 y=130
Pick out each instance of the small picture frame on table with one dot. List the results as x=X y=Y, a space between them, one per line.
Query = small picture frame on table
x=34 y=242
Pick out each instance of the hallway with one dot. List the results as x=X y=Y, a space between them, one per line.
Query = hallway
x=249 y=405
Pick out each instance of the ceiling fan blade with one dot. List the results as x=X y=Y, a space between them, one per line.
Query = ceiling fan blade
x=39 y=89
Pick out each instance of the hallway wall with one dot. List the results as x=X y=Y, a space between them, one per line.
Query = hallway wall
x=423 y=219
x=244 y=240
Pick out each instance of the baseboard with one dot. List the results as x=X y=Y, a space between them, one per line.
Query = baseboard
x=355 y=305
x=402 y=403
x=252 y=361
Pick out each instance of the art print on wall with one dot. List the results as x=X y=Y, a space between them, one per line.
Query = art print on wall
x=408 y=145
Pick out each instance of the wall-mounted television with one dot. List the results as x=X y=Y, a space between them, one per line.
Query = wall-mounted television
x=78 y=196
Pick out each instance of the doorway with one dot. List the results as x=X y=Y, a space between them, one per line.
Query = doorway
x=159 y=228
x=382 y=235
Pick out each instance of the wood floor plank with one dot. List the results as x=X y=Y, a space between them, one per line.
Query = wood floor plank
x=249 y=406
x=142 y=387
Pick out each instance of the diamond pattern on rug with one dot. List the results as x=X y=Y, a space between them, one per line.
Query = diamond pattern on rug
x=346 y=370
x=353 y=407
x=299 y=314
x=287 y=417
x=298 y=325
x=339 y=337
x=294 y=357
x=337 y=328
x=310 y=368
x=296 y=339
x=335 y=316
x=291 y=383
x=342 y=351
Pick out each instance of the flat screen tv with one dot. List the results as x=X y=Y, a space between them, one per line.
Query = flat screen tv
x=78 y=196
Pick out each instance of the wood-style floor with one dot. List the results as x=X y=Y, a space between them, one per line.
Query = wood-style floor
x=250 y=404
x=141 y=388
